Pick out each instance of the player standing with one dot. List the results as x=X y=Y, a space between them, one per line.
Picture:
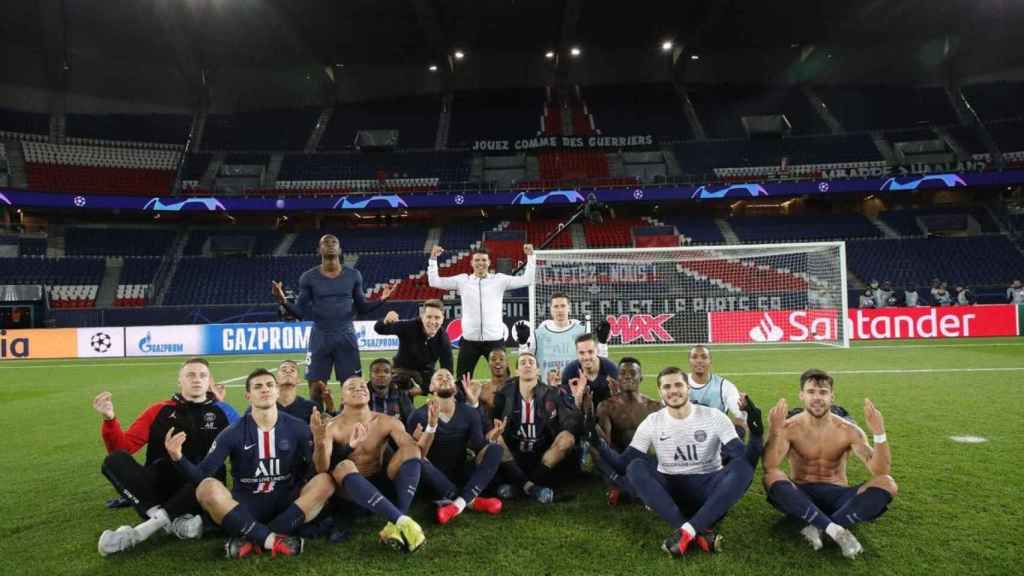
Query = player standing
x=481 y=294
x=330 y=295
x=554 y=340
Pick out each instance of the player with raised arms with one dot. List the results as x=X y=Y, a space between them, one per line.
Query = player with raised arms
x=330 y=295
x=481 y=294
x=817 y=443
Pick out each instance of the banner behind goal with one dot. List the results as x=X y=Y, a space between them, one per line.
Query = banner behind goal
x=690 y=294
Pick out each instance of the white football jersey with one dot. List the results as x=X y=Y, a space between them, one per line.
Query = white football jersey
x=692 y=445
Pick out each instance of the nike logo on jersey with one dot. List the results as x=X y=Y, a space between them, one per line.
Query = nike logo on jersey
x=663 y=438
x=248 y=446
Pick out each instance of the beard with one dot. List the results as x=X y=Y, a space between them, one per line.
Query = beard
x=445 y=393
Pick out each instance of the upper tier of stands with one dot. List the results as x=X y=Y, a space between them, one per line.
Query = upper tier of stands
x=415 y=119
x=500 y=114
x=720 y=109
x=263 y=130
x=653 y=109
x=759 y=229
x=163 y=128
x=117 y=241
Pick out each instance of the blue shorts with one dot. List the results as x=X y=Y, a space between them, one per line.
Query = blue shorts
x=688 y=491
x=828 y=497
x=266 y=507
x=337 y=351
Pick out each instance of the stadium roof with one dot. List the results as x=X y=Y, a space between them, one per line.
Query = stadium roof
x=193 y=37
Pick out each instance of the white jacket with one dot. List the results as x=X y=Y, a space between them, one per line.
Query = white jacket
x=481 y=298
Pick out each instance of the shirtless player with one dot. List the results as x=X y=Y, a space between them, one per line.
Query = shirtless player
x=618 y=417
x=818 y=443
x=366 y=434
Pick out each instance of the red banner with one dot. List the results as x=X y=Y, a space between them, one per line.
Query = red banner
x=864 y=324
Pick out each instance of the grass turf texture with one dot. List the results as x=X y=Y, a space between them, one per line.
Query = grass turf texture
x=957 y=511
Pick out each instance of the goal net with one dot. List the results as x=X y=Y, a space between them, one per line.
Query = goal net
x=763 y=293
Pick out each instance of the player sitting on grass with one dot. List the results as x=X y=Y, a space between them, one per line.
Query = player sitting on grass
x=386 y=397
x=357 y=454
x=288 y=399
x=618 y=417
x=690 y=489
x=817 y=444
x=159 y=494
x=538 y=431
x=445 y=428
x=271 y=453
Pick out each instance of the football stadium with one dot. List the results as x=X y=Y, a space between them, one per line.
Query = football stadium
x=522 y=286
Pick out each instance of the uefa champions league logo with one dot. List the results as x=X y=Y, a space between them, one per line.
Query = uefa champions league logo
x=4 y=199
x=948 y=180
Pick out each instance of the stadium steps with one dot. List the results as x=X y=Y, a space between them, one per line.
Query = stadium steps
x=273 y=170
x=318 y=130
x=691 y=115
x=15 y=165
x=823 y=112
x=433 y=238
x=111 y=278
x=727 y=231
x=285 y=245
x=55 y=241
x=212 y=169
x=444 y=122
x=165 y=275
x=579 y=236
x=885 y=228
x=884 y=146
x=961 y=153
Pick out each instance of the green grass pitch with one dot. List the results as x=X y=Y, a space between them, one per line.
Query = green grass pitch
x=959 y=509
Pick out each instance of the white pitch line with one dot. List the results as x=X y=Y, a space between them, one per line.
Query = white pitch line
x=659 y=348
x=886 y=371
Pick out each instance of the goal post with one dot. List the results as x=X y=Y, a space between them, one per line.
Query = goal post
x=743 y=293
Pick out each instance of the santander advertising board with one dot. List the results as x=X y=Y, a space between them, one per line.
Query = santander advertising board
x=863 y=324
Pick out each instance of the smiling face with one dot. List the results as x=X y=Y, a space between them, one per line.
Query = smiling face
x=674 y=391
x=442 y=384
x=354 y=392
x=432 y=319
x=630 y=377
x=262 y=391
x=497 y=361
x=816 y=395
x=194 y=381
x=481 y=263
x=586 y=353
x=700 y=361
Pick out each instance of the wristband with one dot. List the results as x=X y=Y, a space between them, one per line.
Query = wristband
x=879 y=438
x=430 y=429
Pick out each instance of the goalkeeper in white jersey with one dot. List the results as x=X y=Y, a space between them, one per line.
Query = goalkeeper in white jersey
x=554 y=340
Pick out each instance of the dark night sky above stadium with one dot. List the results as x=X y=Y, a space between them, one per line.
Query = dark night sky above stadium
x=391 y=32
